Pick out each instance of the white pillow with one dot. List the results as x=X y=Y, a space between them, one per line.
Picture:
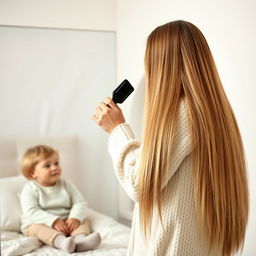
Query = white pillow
x=9 y=204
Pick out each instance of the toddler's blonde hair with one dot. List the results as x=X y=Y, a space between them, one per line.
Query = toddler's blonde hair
x=33 y=156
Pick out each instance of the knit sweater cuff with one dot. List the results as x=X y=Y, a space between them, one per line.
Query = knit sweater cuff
x=80 y=217
x=119 y=138
x=51 y=221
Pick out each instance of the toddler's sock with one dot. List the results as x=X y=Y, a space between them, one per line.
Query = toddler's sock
x=64 y=243
x=87 y=242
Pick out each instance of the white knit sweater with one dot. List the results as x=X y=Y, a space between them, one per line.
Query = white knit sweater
x=180 y=236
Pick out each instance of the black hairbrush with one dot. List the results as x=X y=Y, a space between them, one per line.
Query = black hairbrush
x=122 y=92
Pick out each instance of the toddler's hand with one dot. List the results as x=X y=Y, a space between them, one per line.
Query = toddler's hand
x=72 y=224
x=61 y=226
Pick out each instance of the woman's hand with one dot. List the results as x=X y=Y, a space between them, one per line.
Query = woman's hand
x=72 y=224
x=108 y=115
x=61 y=226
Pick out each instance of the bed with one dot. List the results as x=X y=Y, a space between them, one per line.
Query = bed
x=115 y=236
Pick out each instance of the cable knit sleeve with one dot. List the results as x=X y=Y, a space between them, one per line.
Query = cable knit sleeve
x=125 y=151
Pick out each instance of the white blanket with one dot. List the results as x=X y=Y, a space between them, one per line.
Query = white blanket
x=115 y=237
x=13 y=243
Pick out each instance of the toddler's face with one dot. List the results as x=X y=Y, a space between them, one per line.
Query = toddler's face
x=47 y=172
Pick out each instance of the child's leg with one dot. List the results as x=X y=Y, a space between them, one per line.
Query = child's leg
x=43 y=233
x=84 y=228
x=83 y=239
x=51 y=237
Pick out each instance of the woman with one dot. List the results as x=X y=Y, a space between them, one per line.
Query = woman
x=188 y=177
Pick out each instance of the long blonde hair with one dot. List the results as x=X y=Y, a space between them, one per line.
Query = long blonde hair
x=179 y=64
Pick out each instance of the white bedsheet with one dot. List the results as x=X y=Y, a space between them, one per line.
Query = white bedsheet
x=115 y=238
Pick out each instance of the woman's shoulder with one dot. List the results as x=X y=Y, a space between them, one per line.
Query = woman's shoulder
x=183 y=111
x=182 y=103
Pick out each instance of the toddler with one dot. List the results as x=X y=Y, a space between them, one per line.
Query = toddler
x=53 y=209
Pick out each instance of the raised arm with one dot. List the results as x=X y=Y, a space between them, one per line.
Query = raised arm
x=124 y=150
x=125 y=153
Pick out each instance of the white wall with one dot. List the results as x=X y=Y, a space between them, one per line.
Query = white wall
x=65 y=107
x=80 y=14
x=229 y=27
x=51 y=80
